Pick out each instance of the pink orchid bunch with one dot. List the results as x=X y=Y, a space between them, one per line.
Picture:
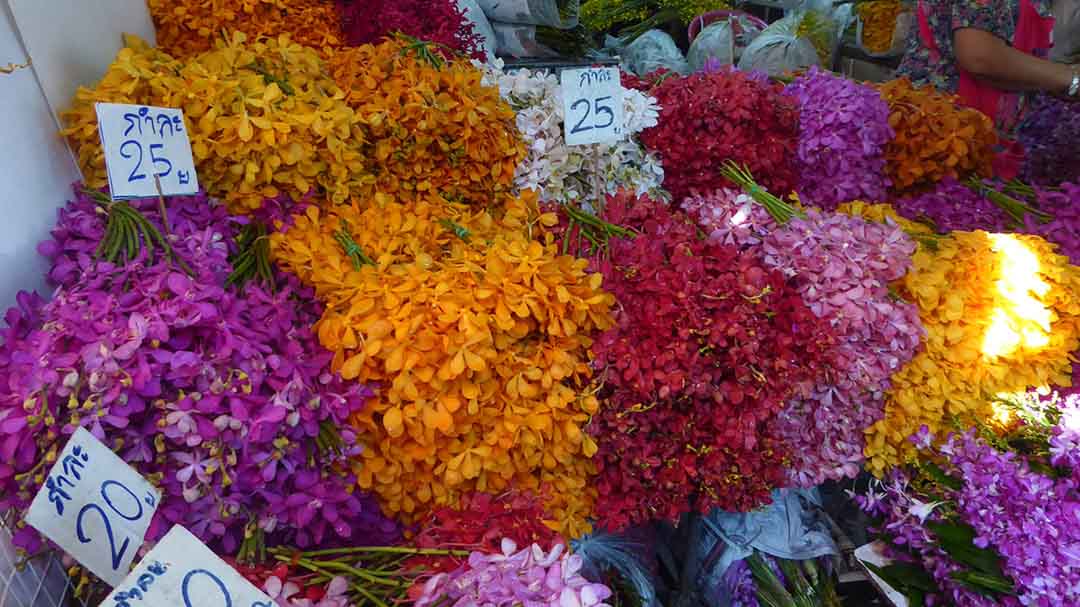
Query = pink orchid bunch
x=527 y=578
x=288 y=593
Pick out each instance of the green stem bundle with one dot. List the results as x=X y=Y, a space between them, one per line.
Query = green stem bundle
x=353 y=250
x=128 y=233
x=1015 y=208
x=781 y=211
x=595 y=231
x=252 y=258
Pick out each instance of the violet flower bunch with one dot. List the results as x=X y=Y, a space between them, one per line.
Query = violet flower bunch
x=1026 y=517
x=527 y=578
x=1063 y=229
x=843 y=131
x=1049 y=132
x=220 y=396
x=952 y=206
x=730 y=217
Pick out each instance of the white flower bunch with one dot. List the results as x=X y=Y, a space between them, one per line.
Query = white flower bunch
x=581 y=173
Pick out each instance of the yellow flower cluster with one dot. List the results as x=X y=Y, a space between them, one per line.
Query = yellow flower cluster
x=263 y=118
x=189 y=27
x=429 y=123
x=1002 y=315
x=879 y=23
x=476 y=331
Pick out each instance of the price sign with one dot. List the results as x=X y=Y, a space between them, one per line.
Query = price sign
x=95 y=507
x=592 y=105
x=145 y=146
x=182 y=572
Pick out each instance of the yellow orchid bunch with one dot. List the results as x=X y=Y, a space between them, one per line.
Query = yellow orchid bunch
x=189 y=27
x=879 y=23
x=477 y=334
x=1002 y=315
x=430 y=124
x=263 y=118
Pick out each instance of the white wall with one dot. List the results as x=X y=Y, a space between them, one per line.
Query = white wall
x=36 y=170
x=72 y=42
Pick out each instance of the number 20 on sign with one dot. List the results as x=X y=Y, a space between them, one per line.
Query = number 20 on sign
x=593 y=105
x=146 y=147
x=95 y=507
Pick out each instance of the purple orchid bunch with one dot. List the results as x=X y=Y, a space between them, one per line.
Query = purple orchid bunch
x=221 y=396
x=842 y=266
x=989 y=525
x=528 y=577
x=843 y=131
x=1063 y=229
x=952 y=206
x=1049 y=133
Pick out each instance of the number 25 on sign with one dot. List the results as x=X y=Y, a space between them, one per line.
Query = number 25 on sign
x=146 y=147
x=95 y=507
x=593 y=105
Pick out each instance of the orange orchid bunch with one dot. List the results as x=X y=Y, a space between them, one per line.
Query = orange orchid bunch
x=936 y=137
x=476 y=331
x=263 y=119
x=189 y=27
x=430 y=124
x=1002 y=316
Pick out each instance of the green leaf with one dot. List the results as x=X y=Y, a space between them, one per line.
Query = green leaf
x=987 y=585
x=942 y=477
x=903 y=576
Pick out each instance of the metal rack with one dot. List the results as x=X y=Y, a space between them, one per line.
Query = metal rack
x=40 y=582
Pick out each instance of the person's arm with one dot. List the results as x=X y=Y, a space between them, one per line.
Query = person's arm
x=989 y=58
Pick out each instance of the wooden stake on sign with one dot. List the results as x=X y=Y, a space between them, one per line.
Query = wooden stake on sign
x=161 y=207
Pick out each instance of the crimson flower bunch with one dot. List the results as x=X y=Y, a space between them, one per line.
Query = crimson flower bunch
x=843 y=131
x=709 y=344
x=709 y=118
x=220 y=396
x=481 y=523
x=440 y=21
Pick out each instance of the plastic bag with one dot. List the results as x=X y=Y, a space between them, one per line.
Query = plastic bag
x=651 y=51
x=562 y=14
x=1066 y=31
x=793 y=527
x=475 y=15
x=781 y=49
x=715 y=41
x=519 y=41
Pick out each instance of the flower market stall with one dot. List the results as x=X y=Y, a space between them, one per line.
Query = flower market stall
x=415 y=339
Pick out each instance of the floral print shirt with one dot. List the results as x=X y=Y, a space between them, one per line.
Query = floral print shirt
x=999 y=17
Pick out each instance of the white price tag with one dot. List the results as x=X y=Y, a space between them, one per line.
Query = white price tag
x=592 y=105
x=182 y=572
x=144 y=144
x=95 y=507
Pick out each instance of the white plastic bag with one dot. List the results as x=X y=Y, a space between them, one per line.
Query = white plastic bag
x=715 y=41
x=651 y=51
x=519 y=41
x=562 y=14
x=475 y=15
x=779 y=49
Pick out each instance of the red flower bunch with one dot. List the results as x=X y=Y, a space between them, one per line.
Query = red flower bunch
x=709 y=344
x=708 y=118
x=480 y=524
x=438 y=21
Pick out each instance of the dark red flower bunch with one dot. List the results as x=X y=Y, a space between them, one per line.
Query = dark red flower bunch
x=438 y=21
x=481 y=523
x=708 y=346
x=708 y=118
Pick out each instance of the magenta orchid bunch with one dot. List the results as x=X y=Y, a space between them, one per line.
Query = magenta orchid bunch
x=843 y=131
x=529 y=577
x=221 y=396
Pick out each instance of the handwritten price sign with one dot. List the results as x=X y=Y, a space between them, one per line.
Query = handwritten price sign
x=143 y=146
x=95 y=507
x=593 y=106
x=181 y=571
